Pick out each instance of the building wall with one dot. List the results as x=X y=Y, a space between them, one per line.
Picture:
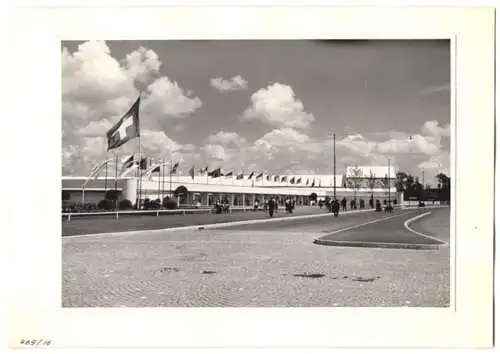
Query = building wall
x=207 y=194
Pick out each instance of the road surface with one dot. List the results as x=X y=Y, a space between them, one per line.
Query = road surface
x=275 y=264
x=106 y=224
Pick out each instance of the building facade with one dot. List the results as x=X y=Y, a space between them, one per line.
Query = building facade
x=358 y=183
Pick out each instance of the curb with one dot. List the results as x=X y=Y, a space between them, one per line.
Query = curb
x=366 y=244
x=212 y=226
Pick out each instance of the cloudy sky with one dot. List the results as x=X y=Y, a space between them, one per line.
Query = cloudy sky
x=261 y=105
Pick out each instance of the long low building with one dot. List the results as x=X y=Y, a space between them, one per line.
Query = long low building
x=359 y=183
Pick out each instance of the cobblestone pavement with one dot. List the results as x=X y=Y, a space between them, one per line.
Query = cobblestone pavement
x=246 y=268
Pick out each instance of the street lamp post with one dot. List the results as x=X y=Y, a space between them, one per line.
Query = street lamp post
x=389 y=180
x=423 y=186
x=333 y=135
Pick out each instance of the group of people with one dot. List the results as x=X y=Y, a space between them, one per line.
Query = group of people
x=271 y=206
x=334 y=205
x=222 y=206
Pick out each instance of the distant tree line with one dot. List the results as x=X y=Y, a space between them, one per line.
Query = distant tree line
x=413 y=189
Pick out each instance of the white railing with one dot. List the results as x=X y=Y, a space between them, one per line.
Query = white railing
x=157 y=212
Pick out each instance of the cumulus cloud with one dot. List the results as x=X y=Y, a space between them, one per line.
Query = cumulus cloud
x=414 y=144
x=157 y=142
x=437 y=163
x=215 y=152
x=286 y=137
x=432 y=128
x=287 y=149
x=355 y=144
x=167 y=98
x=96 y=128
x=226 y=138
x=278 y=106
x=142 y=64
x=236 y=83
x=97 y=89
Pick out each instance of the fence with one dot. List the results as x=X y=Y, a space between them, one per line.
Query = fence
x=414 y=203
x=158 y=212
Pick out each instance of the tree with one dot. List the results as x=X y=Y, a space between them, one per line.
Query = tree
x=105 y=204
x=443 y=179
x=418 y=189
x=125 y=204
x=111 y=194
x=444 y=186
x=169 y=204
x=401 y=179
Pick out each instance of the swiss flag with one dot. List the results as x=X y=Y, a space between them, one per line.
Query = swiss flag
x=126 y=129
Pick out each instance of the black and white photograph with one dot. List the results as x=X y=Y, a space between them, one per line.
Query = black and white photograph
x=250 y=177
x=275 y=173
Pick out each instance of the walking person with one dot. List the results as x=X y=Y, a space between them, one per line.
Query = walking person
x=336 y=207
x=271 y=207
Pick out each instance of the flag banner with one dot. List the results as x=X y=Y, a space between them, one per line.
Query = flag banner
x=126 y=129
x=250 y=175
x=268 y=177
x=276 y=178
x=128 y=159
x=292 y=181
x=143 y=163
x=174 y=168
x=97 y=168
x=191 y=172
x=307 y=182
x=230 y=174
x=284 y=179
x=215 y=173
x=299 y=180
x=259 y=175
x=240 y=176
x=130 y=169
x=129 y=164
x=153 y=169
x=95 y=171
x=314 y=182
x=319 y=182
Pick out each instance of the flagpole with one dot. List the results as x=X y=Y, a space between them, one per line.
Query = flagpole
x=116 y=182
x=136 y=166
x=389 y=180
x=162 y=167
x=159 y=180
x=170 y=189
x=140 y=160
x=106 y=176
